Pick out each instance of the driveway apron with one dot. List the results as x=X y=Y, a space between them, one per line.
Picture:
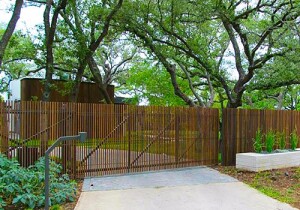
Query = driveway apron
x=188 y=188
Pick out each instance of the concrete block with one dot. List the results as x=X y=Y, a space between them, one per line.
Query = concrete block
x=261 y=162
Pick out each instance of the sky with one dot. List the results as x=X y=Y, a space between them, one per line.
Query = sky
x=30 y=16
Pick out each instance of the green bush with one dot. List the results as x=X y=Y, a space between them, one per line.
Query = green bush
x=281 y=140
x=24 y=187
x=270 y=141
x=258 y=141
x=294 y=140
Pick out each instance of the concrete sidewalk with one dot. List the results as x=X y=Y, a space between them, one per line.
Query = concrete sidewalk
x=190 y=188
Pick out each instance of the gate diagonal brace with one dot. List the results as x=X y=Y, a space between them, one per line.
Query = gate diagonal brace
x=104 y=140
x=149 y=145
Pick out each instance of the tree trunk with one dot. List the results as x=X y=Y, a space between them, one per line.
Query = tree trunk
x=10 y=28
x=50 y=28
x=49 y=53
x=77 y=82
x=234 y=104
x=96 y=73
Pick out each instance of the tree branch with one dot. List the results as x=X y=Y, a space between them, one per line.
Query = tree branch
x=10 y=28
x=191 y=84
x=104 y=32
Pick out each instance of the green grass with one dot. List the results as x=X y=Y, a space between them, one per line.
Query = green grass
x=297 y=175
x=262 y=181
x=273 y=193
x=30 y=143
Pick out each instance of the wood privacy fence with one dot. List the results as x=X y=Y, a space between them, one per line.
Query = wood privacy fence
x=239 y=127
x=120 y=139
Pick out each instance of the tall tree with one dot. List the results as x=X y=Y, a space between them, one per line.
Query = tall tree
x=198 y=33
x=89 y=30
x=260 y=28
x=183 y=42
x=10 y=28
x=50 y=29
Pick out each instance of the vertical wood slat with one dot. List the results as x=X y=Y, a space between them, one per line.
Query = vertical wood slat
x=4 y=123
x=159 y=137
x=240 y=126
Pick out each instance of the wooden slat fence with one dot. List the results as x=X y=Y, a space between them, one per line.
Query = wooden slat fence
x=4 y=134
x=239 y=127
x=121 y=138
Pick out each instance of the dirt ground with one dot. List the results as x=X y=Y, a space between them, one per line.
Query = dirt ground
x=281 y=184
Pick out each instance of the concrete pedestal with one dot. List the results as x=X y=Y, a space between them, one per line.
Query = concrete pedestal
x=261 y=162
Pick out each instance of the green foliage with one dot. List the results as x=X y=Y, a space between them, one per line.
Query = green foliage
x=258 y=141
x=151 y=83
x=273 y=139
x=34 y=98
x=219 y=158
x=17 y=59
x=198 y=41
x=281 y=141
x=294 y=140
x=24 y=187
x=269 y=191
x=270 y=141
x=56 y=207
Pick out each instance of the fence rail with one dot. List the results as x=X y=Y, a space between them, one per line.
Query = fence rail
x=120 y=139
x=239 y=127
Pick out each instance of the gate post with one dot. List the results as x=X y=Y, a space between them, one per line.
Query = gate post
x=129 y=136
x=177 y=128
x=82 y=137
x=44 y=109
x=4 y=127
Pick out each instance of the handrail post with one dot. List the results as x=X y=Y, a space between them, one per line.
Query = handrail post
x=81 y=136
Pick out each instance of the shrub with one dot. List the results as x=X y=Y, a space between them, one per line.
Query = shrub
x=56 y=207
x=258 y=143
x=270 y=141
x=24 y=187
x=281 y=140
x=294 y=140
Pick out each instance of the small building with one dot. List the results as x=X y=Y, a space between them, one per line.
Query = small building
x=32 y=90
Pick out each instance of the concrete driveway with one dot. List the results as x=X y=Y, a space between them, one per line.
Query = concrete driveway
x=189 y=188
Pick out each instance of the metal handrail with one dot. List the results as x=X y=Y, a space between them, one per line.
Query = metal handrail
x=82 y=137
